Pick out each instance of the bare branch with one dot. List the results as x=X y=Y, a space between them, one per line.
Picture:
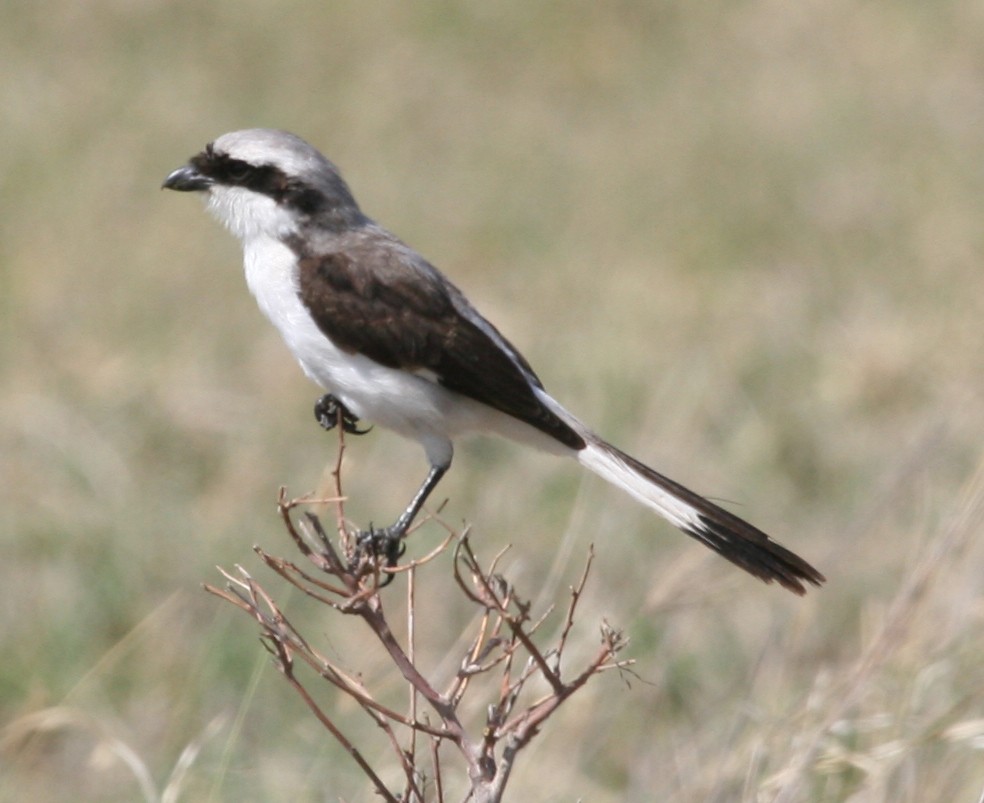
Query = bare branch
x=504 y=638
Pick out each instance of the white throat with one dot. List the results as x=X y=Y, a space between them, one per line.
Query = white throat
x=250 y=215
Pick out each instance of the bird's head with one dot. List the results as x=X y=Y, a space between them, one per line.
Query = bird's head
x=265 y=182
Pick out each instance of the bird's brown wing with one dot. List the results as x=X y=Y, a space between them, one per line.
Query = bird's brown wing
x=383 y=301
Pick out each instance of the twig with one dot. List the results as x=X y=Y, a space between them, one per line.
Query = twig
x=504 y=639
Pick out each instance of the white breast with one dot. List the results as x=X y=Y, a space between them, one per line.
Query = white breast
x=412 y=405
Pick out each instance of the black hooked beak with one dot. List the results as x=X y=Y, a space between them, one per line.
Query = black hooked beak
x=187 y=179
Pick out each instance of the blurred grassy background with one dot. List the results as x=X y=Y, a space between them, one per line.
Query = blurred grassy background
x=743 y=240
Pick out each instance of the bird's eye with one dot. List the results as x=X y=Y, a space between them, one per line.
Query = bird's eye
x=238 y=171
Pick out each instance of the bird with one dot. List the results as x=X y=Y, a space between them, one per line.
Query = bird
x=393 y=341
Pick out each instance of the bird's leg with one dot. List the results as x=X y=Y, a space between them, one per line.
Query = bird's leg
x=330 y=412
x=388 y=541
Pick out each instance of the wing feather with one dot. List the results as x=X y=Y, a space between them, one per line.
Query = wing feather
x=387 y=303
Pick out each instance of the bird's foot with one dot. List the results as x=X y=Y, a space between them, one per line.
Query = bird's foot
x=329 y=412
x=385 y=545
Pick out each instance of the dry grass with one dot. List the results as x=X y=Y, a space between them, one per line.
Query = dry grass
x=744 y=241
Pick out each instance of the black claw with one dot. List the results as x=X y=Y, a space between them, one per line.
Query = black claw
x=329 y=411
x=386 y=543
x=326 y=412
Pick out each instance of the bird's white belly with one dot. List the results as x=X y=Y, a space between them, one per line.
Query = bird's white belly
x=410 y=404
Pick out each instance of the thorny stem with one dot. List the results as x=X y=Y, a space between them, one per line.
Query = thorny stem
x=491 y=599
x=286 y=667
x=355 y=591
x=277 y=628
x=411 y=752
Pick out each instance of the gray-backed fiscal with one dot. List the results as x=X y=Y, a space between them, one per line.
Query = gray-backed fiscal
x=394 y=342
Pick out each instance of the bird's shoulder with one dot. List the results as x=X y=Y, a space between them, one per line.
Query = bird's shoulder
x=377 y=271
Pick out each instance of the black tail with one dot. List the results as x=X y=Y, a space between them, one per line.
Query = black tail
x=731 y=537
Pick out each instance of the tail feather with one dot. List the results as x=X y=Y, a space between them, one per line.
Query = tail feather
x=731 y=537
